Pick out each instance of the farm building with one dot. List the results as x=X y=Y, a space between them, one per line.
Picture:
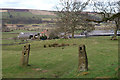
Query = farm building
x=28 y=35
x=32 y=35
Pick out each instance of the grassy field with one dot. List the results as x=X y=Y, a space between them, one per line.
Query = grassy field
x=62 y=62
x=5 y=15
x=8 y=37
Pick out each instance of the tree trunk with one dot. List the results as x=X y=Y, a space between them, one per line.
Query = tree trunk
x=114 y=37
x=115 y=30
x=72 y=32
x=115 y=33
x=65 y=32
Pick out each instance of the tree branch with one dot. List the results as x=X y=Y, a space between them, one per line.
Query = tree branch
x=105 y=19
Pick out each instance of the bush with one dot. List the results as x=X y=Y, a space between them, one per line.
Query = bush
x=53 y=34
x=43 y=37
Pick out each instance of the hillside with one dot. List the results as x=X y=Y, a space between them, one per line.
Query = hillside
x=36 y=12
x=30 y=16
x=25 y=16
x=42 y=12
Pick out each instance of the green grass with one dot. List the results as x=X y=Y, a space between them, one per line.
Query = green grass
x=8 y=37
x=57 y=62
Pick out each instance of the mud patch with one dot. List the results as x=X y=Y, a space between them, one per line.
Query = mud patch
x=39 y=69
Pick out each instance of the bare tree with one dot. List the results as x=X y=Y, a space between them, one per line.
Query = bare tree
x=107 y=11
x=70 y=15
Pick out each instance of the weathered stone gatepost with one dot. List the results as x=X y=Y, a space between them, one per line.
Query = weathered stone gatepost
x=25 y=55
x=83 y=61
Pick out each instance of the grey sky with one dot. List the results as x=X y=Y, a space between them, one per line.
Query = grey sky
x=33 y=4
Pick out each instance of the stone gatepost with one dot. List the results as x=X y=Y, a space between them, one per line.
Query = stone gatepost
x=83 y=61
x=25 y=55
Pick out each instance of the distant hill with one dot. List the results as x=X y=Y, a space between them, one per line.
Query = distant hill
x=41 y=12
x=25 y=16
x=11 y=10
x=31 y=16
x=36 y=12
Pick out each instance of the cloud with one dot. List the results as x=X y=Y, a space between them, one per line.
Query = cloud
x=29 y=4
x=34 y=4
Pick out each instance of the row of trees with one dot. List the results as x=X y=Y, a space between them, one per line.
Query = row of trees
x=71 y=15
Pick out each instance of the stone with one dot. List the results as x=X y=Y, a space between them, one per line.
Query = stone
x=25 y=55
x=83 y=61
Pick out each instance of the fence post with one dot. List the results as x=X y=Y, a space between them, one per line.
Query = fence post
x=83 y=61
x=25 y=55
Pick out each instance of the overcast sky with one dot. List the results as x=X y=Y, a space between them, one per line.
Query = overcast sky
x=29 y=4
x=32 y=4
